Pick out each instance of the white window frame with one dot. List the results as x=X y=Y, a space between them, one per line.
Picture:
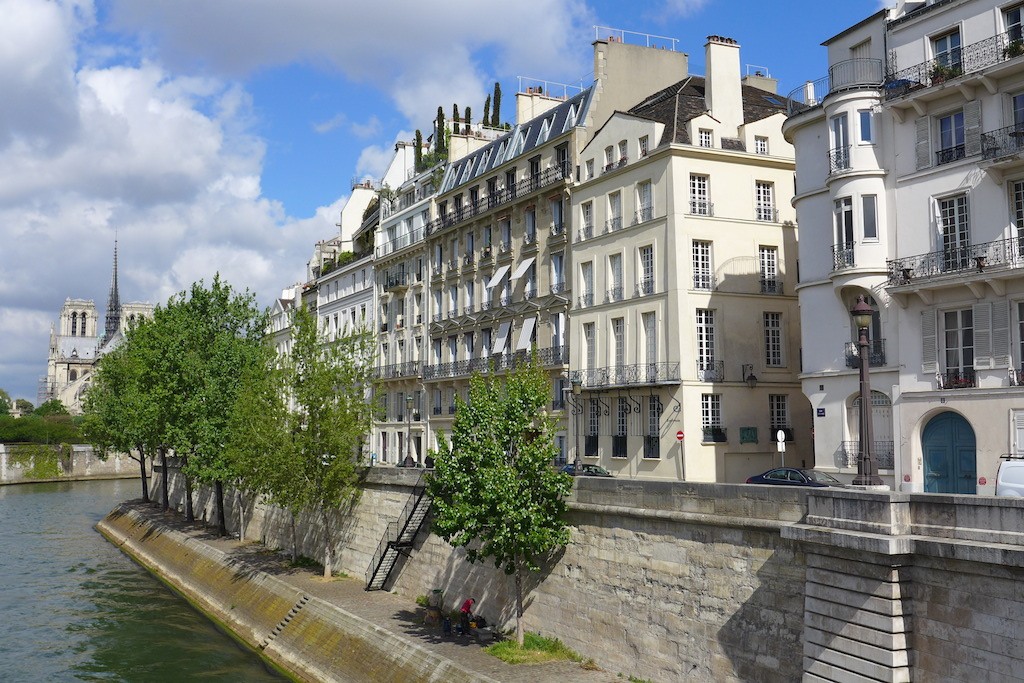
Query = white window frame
x=774 y=340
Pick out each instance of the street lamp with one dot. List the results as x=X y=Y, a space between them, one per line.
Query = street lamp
x=867 y=472
x=408 y=427
x=577 y=390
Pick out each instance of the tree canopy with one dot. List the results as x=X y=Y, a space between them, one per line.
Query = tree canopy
x=494 y=490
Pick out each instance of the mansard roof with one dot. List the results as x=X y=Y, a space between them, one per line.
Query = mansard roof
x=683 y=101
x=523 y=139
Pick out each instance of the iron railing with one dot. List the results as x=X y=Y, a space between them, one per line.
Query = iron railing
x=766 y=213
x=839 y=159
x=643 y=214
x=1000 y=254
x=546 y=357
x=842 y=256
x=645 y=287
x=400 y=242
x=613 y=224
x=700 y=207
x=704 y=280
x=711 y=370
x=652 y=446
x=846 y=75
x=1002 y=142
x=876 y=353
x=585 y=232
x=771 y=285
x=950 y=154
x=397 y=370
x=586 y=300
x=627 y=375
x=613 y=294
x=882 y=453
x=956 y=379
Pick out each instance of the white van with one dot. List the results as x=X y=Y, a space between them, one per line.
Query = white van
x=1010 y=479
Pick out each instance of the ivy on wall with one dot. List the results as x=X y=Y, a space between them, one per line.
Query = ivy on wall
x=39 y=461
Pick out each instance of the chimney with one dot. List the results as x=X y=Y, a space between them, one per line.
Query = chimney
x=722 y=92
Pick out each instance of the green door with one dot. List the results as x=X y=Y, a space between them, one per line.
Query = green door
x=950 y=459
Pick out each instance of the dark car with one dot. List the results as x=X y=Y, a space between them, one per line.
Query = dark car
x=794 y=476
x=587 y=470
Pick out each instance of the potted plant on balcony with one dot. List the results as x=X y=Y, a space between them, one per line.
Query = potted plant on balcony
x=1014 y=49
x=944 y=72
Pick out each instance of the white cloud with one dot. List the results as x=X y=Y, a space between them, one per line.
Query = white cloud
x=684 y=8
x=333 y=123
x=369 y=129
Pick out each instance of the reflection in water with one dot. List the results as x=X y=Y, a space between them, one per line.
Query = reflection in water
x=76 y=609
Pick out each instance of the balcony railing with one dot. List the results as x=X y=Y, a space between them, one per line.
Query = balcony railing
x=643 y=214
x=955 y=63
x=842 y=257
x=627 y=375
x=771 y=285
x=645 y=287
x=546 y=357
x=586 y=300
x=950 y=154
x=395 y=281
x=613 y=294
x=558 y=229
x=876 y=353
x=845 y=75
x=1003 y=142
x=766 y=213
x=711 y=370
x=1001 y=254
x=652 y=446
x=839 y=159
x=619 y=446
x=882 y=453
x=704 y=280
x=956 y=379
x=397 y=370
x=613 y=224
x=585 y=233
x=530 y=292
x=701 y=207
x=400 y=242
x=558 y=287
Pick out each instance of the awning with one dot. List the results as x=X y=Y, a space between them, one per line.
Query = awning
x=526 y=336
x=522 y=268
x=502 y=340
x=496 y=279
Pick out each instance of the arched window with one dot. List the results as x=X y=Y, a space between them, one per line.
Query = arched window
x=73 y=375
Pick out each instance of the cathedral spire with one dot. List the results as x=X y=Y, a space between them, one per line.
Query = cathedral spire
x=113 y=320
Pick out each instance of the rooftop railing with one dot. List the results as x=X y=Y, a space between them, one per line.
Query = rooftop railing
x=846 y=75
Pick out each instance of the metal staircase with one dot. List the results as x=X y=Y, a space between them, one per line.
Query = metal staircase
x=399 y=537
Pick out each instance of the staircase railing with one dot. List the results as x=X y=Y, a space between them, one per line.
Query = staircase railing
x=399 y=534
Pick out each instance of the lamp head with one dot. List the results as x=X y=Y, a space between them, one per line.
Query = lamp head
x=577 y=386
x=862 y=313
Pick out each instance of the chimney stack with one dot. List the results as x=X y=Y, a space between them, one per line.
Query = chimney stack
x=723 y=93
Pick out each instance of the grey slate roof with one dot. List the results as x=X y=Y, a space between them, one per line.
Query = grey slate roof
x=518 y=142
x=680 y=102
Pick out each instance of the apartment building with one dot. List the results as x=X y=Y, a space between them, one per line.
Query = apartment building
x=915 y=133
x=685 y=318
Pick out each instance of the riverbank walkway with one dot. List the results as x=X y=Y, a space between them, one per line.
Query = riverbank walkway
x=399 y=615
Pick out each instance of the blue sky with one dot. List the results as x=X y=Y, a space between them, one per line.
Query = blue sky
x=223 y=136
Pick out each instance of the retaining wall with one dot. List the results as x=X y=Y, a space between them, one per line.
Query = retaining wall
x=83 y=463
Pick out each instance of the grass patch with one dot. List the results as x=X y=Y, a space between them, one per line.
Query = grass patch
x=304 y=562
x=535 y=650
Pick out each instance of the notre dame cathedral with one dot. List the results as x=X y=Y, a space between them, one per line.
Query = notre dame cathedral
x=76 y=343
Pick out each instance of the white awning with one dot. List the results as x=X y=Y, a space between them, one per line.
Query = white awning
x=522 y=268
x=526 y=335
x=502 y=340
x=496 y=279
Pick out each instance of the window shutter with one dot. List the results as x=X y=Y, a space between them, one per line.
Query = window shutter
x=972 y=128
x=982 y=335
x=1018 y=432
x=928 y=351
x=1000 y=335
x=923 y=142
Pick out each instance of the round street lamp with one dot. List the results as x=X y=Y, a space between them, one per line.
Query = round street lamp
x=408 y=428
x=867 y=472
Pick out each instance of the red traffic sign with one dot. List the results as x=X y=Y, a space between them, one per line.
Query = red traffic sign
x=679 y=435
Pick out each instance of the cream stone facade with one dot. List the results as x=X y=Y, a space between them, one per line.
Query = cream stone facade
x=924 y=204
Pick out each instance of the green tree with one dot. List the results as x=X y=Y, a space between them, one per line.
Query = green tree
x=487 y=112
x=466 y=121
x=5 y=403
x=24 y=405
x=496 y=112
x=494 y=490
x=455 y=118
x=439 y=133
x=418 y=151
x=51 y=407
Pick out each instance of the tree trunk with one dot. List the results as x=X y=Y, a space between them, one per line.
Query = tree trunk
x=163 y=479
x=240 y=502
x=520 y=633
x=295 y=541
x=190 y=513
x=142 y=469
x=218 y=491
x=328 y=545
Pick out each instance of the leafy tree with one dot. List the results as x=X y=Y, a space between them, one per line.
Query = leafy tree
x=487 y=112
x=5 y=402
x=496 y=112
x=439 y=132
x=465 y=125
x=494 y=490
x=51 y=407
x=52 y=429
x=24 y=405
x=455 y=117
x=418 y=151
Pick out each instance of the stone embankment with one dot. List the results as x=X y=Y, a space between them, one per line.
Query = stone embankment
x=34 y=464
x=315 y=630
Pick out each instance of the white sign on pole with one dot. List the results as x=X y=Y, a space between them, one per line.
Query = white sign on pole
x=780 y=438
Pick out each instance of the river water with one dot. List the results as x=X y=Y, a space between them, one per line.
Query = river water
x=75 y=608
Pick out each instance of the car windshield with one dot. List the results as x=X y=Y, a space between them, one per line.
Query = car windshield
x=595 y=469
x=820 y=477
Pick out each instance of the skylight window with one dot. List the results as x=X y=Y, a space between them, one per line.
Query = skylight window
x=773 y=100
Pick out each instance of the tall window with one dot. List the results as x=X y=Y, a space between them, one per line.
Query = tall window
x=703 y=273
x=646 y=284
x=593 y=421
x=840 y=156
x=1018 y=214
x=867 y=134
x=700 y=203
x=769 y=260
x=869 y=204
x=843 y=211
x=650 y=325
x=588 y=169
x=705 y=340
x=644 y=202
x=958 y=331
x=557 y=220
x=587 y=275
x=609 y=157
x=773 y=345
x=951 y=138
x=614 y=212
x=711 y=416
x=653 y=420
x=621 y=423
x=643 y=145
x=1011 y=20
x=587 y=215
x=760 y=144
x=764 y=194
x=531 y=225
x=618 y=342
x=947 y=51
x=623 y=151
x=557 y=271
x=705 y=138
x=955 y=232
x=590 y=345
x=778 y=412
x=615 y=277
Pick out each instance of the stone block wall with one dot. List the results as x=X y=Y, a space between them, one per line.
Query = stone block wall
x=83 y=463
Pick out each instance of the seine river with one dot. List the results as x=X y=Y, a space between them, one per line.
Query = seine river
x=74 y=608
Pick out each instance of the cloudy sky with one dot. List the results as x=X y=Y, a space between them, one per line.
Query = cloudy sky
x=223 y=135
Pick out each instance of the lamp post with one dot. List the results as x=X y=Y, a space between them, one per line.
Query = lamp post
x=577 y=390
x=408 y=427
x=867 y=472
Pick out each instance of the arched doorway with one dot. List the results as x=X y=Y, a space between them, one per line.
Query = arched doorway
x=950 y=458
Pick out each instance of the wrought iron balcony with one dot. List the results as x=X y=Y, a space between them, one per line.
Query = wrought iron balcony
x=771 y=285
x=613 y=294
x=400 y=242
x=882 y=453
x=546 y=357
x=619 y=446
x=585 y=233
x=842 y=257
x=652 y=446
x=956 y=379
x=627 y=375
x=1017 y=377
x=529 y=238
x=586 y=300
x=613 y=224
x=396 y=281
x=1003 y=142
x=950 y=154
x=839 y=159
x=766 y=213
x=558 y=229
x=876 y=353
x=846 y=75
x=974 y=258
x=701 y=207
x=398 y=370
x=711 y=370
x=645 y=287
x=558 y=287
x=643 y=214
x=955 y=63
x=530 y=292
x=704 y=280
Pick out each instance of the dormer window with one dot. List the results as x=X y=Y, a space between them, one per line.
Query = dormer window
x=705 y=137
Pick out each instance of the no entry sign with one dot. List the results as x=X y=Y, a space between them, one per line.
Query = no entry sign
x=679 y=435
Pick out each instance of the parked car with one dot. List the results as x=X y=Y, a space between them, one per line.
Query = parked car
x=1010 y=478
x=794 y=476
x=587 y=470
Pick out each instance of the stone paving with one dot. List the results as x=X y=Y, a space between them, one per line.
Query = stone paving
x=395 y=613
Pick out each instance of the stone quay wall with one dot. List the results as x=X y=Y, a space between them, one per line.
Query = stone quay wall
x=673 y=581
x=83 y=463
